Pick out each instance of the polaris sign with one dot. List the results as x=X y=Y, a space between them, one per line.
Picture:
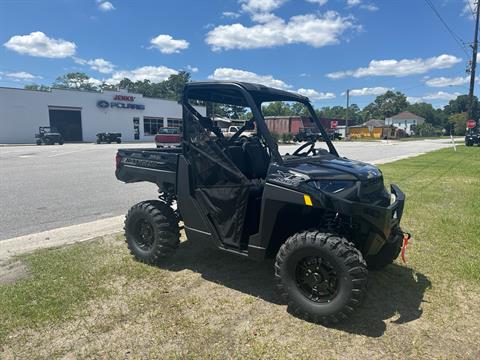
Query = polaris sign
x=103 y=104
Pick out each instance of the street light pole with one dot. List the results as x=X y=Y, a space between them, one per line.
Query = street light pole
x=346 y=114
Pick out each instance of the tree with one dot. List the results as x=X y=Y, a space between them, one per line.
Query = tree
x=460 y=105
x=76 y=80
x=277 y=108
x=339 y=112
x=386 y=105
x=458 y=123
x=37 y=87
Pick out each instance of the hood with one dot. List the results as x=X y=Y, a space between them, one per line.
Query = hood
x=332 y=167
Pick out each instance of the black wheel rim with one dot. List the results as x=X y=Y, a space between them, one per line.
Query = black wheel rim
x=145 y=234
x=317 y=279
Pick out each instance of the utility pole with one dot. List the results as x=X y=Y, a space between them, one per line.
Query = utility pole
x=346 y=114
x=474 y=65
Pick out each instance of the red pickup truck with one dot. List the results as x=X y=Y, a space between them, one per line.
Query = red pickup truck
x=168 y=136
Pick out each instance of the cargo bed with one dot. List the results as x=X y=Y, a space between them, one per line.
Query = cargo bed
x=158 y=166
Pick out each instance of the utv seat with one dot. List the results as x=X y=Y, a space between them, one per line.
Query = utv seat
x=236 y=154
x=257 y=158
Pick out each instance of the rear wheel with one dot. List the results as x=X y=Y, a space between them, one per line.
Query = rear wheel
x=151 y=231
x=322 y=276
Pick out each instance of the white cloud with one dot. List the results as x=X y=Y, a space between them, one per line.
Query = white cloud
x=152 y=73
x=21 y=75
x=192 y=69
x=319 y=2
x=95 y=82
x=369 y=7
x=105 y=6
x=351 y=3
x=399 y=68
x=468 y=7
x=40 y=45
x=230 y=15
x=315 y=95
x=168 y=45
x=366 y=91
x=101 y=65
x=262 y=6
x=310 y=29
x=248 y=76
x=441 y=95
x=446 y=81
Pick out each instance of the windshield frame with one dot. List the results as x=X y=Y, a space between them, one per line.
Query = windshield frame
x=252 y=96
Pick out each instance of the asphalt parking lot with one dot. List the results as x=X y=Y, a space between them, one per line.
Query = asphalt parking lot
x=46 y=187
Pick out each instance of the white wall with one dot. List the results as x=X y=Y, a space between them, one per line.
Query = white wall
x=23 y=111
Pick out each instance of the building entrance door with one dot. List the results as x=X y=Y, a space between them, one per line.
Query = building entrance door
x=68 y=122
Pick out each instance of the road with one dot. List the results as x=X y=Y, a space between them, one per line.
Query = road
x=47 y=187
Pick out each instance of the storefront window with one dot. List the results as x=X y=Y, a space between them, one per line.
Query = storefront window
x=173 y=122
x=151 y=125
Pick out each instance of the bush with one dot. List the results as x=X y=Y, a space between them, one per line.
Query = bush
x=275 y=136
x=286 y=138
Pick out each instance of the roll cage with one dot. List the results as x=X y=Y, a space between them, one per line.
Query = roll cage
x=247 y=95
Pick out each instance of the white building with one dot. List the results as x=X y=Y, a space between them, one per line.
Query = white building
x=80 y=115
x=405 y=120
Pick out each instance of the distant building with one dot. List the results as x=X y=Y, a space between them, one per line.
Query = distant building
x=373 y=128
x=405 y=121
x=80 y=115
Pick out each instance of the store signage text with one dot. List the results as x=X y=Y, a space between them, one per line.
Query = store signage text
x=103 y=104
x=124 y=98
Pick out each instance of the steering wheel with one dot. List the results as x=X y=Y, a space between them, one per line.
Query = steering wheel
x=311 y=149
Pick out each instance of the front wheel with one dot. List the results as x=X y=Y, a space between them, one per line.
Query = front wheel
x=321 y=275
x=151 y=231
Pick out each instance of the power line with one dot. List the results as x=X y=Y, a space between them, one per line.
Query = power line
x=455 y=37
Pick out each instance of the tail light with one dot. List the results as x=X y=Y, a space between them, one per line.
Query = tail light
x=118 y=159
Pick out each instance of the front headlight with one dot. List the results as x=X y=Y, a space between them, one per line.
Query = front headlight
x=331 y=186
x=393 y=198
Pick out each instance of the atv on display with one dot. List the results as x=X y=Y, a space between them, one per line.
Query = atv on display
x=48 y=136
x=325 y=219
x=109 y=138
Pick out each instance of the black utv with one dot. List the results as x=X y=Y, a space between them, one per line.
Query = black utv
x=307 y=134
x=472 y=137
x=48 y=136
x=109 y=138
x=324 y=218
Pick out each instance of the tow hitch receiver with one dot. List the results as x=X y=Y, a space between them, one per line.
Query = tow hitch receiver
x=406 y=238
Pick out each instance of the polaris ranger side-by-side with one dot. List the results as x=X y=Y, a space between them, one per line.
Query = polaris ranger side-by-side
x=48 y=136
x=324 y=218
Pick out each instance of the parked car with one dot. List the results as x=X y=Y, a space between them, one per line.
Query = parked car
x=232 y=130
x=324 y=218
x=48 y=135
x=109 y=138
x=168 y=136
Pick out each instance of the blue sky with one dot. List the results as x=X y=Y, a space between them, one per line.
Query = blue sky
x=316 y=47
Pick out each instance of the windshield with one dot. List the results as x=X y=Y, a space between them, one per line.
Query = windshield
x=295 y=128
x=163 y=131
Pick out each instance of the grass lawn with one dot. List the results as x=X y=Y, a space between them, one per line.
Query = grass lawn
x=91 y=300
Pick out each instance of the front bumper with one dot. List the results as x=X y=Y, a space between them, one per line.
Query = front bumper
x=380 y=219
